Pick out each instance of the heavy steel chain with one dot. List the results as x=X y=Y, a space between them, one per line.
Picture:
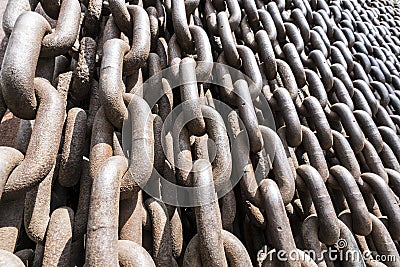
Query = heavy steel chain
x=200 y=133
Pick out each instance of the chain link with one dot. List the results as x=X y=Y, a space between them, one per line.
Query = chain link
x=82 y=78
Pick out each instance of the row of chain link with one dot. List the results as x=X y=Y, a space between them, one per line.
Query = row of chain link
x=75 y=71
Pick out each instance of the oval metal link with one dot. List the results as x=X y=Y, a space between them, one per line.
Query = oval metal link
x=17 y=76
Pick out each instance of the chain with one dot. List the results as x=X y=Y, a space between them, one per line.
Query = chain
x=200 y=133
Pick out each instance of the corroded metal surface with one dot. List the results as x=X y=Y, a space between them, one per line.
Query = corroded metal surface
x=199 y=133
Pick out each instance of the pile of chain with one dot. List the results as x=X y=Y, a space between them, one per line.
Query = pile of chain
x=328 y=179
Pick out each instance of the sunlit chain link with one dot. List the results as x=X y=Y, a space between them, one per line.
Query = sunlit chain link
x=142 y=133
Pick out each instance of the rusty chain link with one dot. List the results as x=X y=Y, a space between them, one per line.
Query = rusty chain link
x=200 y=133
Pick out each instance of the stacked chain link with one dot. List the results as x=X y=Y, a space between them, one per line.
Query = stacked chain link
x=81 y=76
